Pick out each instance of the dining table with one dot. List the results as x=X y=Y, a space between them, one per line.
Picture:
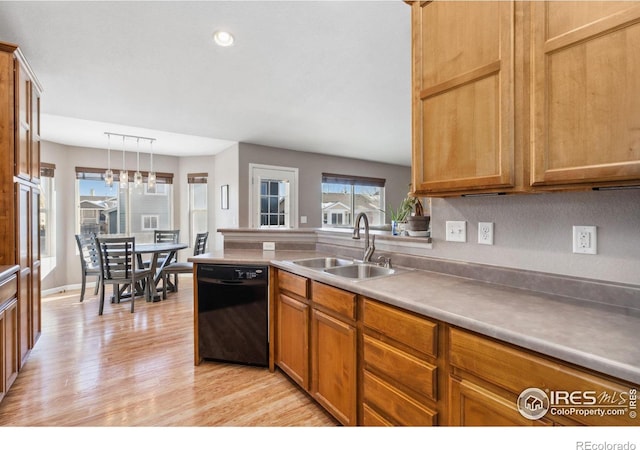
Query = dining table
x=156 y=265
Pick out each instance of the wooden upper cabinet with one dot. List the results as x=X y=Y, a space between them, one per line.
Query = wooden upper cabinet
x=463 y=96
x=23 y=131
x=586 y=93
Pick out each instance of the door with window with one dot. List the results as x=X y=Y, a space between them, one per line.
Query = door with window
x=274 y=198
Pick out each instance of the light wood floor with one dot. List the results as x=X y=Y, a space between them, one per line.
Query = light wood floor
x=124 y=369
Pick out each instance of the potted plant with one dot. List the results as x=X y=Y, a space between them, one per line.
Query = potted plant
x=418 y=223
x=401 y=214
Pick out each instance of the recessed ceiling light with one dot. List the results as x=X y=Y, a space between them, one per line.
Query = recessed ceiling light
x=223 y=38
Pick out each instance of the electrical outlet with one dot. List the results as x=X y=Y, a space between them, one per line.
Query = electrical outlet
x=268 y=246
x=585 y=240
x=485 y=233
x=456 y=231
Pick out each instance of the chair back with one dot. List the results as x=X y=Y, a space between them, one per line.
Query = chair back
x=166 y=237
x=89 y=258
x=117 y=258
x=201 y=243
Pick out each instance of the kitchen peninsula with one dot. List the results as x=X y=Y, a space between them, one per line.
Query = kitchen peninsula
x=487 y=342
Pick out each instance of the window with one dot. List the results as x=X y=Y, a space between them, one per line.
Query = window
x=134 y=211
x=274 y=202
x=198 y=213
x=47 y=211
x=150 y=222
x=346 y=196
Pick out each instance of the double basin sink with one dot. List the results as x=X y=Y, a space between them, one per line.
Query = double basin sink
x=346 y=268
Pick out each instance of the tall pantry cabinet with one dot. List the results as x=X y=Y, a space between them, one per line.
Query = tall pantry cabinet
x=20 y=188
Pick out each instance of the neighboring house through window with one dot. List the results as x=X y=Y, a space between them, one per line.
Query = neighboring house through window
x=346 y=196
x=133 y=211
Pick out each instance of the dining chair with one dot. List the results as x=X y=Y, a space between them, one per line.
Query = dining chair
x=176 y=268
x=117 y=256
x=89 y=261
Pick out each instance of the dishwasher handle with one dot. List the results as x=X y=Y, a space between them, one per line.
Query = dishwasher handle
x=229 y=282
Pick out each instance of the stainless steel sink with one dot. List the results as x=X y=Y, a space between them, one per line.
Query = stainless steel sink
x=323 y=263
x=360 y=271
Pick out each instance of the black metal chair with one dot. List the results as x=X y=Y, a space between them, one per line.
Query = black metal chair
x=118 y=263
x=89 y=261
x=183 y=267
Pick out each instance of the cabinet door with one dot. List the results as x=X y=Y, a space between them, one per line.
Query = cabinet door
x=463 y=96
x=472 y=405
x=24 y=260
x=334 y=366
x=586 y=116
x=11 y=362
x=292 y=339
x=23 y=132
x=35 y=310
x=34 y=127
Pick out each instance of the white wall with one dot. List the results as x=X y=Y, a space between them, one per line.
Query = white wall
x=226 y=173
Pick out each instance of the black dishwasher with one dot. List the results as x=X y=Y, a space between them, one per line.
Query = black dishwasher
x=233 y=313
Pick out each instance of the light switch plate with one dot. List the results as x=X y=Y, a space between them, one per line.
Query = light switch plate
x=456 y=231
x=585 y=240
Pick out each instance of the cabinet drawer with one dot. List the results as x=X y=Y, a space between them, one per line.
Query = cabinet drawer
x=397 y=406
x=516 y=370
x=293 y=283
x=8 y=289
x=404 y=327
x=370 y=418
x=407 y=370
x=335 y=299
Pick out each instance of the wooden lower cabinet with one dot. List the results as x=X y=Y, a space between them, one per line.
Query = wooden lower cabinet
x=292 y=345
x=487 y=377
x=333 y=353
x=473 y=405
x=394 y=405
x=400 y=367
x=373 y=364
x=9 y=360
x=316 y=342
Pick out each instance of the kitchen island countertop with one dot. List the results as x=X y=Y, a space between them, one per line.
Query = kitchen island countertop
x=588 y=334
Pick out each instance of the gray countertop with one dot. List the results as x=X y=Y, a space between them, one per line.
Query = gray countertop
x=583 y=333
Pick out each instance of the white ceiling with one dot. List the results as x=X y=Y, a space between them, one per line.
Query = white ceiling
x=329 y=77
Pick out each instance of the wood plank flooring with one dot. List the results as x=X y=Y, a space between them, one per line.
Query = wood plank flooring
x=124 y=369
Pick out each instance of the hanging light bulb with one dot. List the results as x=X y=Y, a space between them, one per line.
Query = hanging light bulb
x=108 y=174
x=151 y=180
x=137 y=177
x=124 y=175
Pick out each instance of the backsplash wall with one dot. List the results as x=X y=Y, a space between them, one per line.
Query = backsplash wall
x=534 y=232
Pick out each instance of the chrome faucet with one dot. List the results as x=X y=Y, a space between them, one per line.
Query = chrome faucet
x=368 y=249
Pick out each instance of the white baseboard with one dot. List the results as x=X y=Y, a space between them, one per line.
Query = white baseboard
x=78 y=286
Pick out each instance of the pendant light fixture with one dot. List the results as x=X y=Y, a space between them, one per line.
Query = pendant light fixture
x=137 y=177
x=151 y=180
x=108 y=174
x=124 y=175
